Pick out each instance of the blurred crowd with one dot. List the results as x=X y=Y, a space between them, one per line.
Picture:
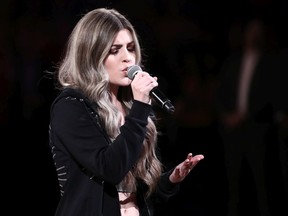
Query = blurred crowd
x=199 y=51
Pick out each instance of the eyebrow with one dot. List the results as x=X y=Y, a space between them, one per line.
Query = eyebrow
x=119 y=45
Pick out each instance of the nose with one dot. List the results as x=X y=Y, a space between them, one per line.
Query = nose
x=126 y=60
x=127 y=56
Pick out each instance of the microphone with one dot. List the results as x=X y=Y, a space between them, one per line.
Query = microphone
x=155 y=93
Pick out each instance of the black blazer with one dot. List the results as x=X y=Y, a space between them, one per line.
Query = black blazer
x=82 y=153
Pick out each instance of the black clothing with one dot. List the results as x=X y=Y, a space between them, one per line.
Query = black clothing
x=89 y=166
x=248 y=140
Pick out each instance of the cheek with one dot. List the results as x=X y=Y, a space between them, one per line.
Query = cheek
x=108 y=63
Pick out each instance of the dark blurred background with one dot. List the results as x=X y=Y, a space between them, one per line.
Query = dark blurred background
x=185 y=43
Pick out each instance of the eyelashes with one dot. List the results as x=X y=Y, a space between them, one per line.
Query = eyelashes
x=116 y=48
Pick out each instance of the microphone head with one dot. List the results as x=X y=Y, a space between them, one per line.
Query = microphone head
x=133 y=70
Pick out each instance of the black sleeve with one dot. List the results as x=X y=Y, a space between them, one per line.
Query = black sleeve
x=166 y=189
x=77 y=133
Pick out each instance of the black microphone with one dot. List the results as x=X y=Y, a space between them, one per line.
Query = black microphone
x=155 y=93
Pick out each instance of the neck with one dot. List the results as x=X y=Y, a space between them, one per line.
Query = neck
x=114 y=92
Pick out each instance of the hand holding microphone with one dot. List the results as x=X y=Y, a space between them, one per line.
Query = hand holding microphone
x=151 y=86
x=141 y=86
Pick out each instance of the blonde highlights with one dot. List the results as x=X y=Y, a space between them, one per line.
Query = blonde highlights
x=83 y=68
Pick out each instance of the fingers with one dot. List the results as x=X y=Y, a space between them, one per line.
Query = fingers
x=190 y=155
x=145 y=79
x=192 y=161
x=142 y=85
x=184 y=168
x=196 y=157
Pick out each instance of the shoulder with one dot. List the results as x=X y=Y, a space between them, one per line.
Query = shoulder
x=71 y=95
x=71 y=112
x=71 y=105
x=68 y=94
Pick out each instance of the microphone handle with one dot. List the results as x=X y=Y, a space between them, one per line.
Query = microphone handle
x=162 y=100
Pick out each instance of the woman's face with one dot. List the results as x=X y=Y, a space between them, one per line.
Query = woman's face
x=122 y=55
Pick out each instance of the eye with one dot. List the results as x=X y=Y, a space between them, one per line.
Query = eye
x=113 y=51
x=131 y=47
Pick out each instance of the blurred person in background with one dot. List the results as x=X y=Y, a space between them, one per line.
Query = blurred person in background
x=245 y=111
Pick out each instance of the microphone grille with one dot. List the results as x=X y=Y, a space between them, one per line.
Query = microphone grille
x=133 y=70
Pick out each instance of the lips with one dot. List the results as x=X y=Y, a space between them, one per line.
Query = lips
x=125 y=71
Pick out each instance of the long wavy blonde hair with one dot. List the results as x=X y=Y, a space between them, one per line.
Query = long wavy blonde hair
x=83 y=68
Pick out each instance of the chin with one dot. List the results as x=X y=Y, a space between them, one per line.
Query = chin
x=126 y=82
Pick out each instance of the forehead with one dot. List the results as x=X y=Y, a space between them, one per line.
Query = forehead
x=124 y=36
